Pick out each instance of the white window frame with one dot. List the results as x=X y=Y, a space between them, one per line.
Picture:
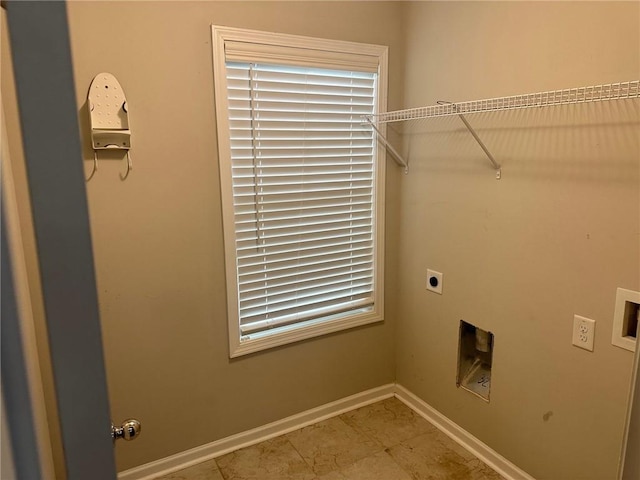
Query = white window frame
x=222 y=38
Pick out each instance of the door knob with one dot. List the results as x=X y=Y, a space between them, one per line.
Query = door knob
x=129 y=430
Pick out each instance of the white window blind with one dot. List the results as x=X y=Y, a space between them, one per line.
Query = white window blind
x=303 y=182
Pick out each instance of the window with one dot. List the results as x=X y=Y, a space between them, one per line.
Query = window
x=302 y=184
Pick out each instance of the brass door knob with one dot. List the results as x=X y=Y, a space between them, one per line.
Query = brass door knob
x=129 y=430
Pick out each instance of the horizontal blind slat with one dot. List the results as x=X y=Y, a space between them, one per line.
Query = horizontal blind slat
x=273 y=235
x=278 y=258
x=291 y=283
x=288 y=283
x=275 y=207
x=256 y=325
x=310 y=262
x=292 y=218
x=311 y=270
x=277 y=309
x=257 y=290
x=300 y=242
x=284 y=296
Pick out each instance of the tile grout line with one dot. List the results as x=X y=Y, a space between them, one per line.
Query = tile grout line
x=352 y=427
x=300 y=454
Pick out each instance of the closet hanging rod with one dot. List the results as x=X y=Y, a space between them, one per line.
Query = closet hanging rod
x=567 y=96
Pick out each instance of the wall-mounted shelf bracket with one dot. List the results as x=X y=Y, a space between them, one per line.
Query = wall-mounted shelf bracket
x=473 y=133
x=394 y=153
x=495 y=164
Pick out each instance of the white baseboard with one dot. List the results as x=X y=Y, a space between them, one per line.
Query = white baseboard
x=458 y=434
x=215 y=449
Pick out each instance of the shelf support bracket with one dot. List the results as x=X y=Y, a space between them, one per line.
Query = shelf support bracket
x=394 y=153
x=495 y=164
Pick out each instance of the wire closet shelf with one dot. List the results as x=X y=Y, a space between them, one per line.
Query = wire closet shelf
x=594 y=93
x=567 y=96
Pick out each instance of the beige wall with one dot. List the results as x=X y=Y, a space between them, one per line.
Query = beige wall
x=522 y=255
x=158 y=235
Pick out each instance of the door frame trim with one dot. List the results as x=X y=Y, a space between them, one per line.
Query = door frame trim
x=41 y=53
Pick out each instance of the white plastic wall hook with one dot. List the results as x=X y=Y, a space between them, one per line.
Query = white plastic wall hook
x=129 y=167
x=95 y=166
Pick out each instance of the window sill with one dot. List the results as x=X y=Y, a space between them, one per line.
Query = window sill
x=315 y=328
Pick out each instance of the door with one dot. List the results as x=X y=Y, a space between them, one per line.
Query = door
x=46 y=98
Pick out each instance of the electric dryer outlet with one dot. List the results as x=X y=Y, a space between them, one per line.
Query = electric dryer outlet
x=434 y=281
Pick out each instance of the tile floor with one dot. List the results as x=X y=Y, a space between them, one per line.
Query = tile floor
x=382 y=441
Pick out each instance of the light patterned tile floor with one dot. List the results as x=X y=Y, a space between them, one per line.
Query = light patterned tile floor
x=383 y=441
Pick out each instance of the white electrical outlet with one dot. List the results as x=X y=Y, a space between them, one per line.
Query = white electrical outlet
x=584 y=329
x=434 y=281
